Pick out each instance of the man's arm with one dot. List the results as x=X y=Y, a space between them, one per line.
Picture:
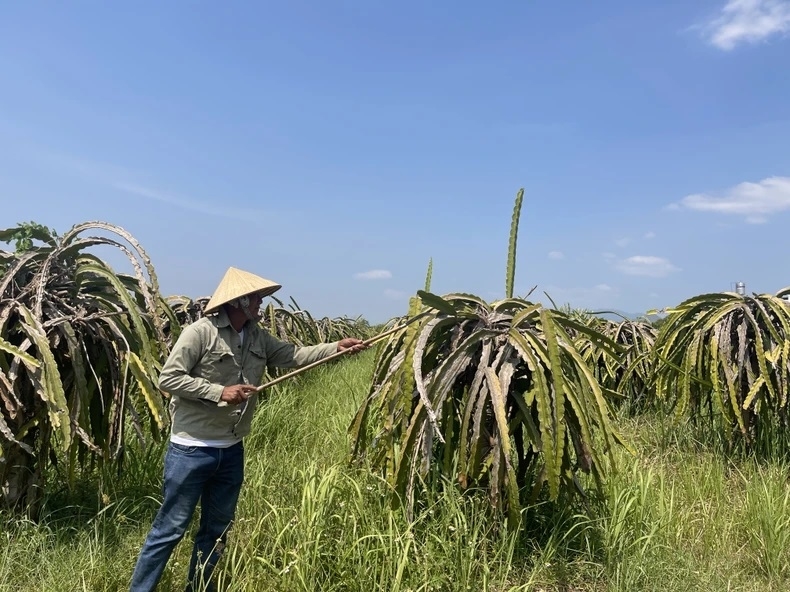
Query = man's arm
x=177 y=380
x=287 y=355
x=175 y=377
x=281 y=354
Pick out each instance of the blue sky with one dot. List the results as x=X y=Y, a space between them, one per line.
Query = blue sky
x=335 y=147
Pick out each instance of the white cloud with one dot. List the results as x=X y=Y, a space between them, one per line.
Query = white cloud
x=649 y=235
x=754 y=201
x=373 y=274
x=756 y=219
x=93 y=170
x=556 y=255
x=609 y=256
x=595 y=297
x=223 y=211
x=622 y=242
x=747 y=21
x=395 y=294
x=646 y=265
x=122 y=179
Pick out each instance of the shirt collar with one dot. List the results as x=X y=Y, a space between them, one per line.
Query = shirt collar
x=222 y=318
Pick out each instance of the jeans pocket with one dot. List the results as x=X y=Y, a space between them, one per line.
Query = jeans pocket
x=182 y=449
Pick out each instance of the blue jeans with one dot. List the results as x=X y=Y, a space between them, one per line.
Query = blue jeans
x=212 y=476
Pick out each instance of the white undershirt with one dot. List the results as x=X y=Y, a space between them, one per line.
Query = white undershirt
x=211 y=443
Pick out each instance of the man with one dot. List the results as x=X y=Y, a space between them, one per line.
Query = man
x=211 y=375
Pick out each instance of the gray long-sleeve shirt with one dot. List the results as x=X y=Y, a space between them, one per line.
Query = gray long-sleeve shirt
x=208 y=356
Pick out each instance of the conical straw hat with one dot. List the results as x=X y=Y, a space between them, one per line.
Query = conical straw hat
x=238 y=283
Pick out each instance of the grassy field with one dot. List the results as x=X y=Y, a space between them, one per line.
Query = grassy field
x=676 y=517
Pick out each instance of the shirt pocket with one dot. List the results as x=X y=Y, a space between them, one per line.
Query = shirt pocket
x=255 y=364
x=219 y=366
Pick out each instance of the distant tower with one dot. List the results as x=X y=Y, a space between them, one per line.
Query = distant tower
x=740 y=288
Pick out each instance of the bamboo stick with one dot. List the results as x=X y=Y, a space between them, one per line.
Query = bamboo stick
x=367 y=342
x=334 y=356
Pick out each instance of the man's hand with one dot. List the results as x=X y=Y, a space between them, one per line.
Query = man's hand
x=237 y=393
x=351 y=345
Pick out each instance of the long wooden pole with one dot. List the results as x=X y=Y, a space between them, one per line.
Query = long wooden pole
x=339 y=354
x=334 y=356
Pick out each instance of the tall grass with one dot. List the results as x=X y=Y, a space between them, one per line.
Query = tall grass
x=676 y=517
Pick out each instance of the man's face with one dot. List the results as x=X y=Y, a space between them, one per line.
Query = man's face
x=252 y=308
x=255 y=304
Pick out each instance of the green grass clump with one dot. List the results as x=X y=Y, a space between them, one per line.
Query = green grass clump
x=675 y=517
